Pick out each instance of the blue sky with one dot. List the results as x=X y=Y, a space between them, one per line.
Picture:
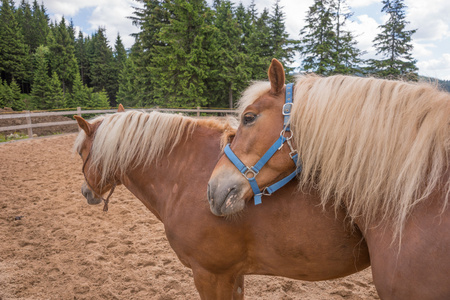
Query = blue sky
x=431 y=18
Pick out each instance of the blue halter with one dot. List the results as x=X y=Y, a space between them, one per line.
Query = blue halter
x=251 y=172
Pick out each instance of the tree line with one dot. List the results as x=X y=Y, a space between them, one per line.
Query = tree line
x=185 y=54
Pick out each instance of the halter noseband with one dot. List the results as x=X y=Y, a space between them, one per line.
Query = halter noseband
x=250 y=173
x=105 y=201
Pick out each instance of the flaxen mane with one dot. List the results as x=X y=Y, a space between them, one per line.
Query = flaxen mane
x=377 y=146
x=124 y=140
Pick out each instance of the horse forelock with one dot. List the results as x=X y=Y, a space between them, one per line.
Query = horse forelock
x=251 y=94
x=127 y=139
x=377 y=146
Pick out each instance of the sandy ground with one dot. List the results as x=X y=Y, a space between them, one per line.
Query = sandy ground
x=53 y=245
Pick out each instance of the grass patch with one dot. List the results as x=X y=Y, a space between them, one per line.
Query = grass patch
x=12 y=137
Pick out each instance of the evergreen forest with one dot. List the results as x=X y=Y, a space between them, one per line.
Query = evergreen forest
x=185 y=53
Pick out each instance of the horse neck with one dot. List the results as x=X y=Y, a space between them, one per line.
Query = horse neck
x=184 y=171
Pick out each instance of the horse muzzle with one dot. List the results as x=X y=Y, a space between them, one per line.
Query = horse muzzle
x=89 y=195
x=226 y=196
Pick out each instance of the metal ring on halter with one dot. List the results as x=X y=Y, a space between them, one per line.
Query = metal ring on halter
x=284 y=131
x=250 y=170
x=265 y=193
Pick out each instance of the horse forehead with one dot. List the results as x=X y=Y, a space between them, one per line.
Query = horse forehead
x=266 y=102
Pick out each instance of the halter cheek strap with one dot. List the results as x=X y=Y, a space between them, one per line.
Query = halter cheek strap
x=250 y=173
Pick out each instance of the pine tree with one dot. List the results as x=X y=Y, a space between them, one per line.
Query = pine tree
x=229 y=64
x=120 y=54
x=40 y=88
x=245 y=20
x=130 y=90
x=80 y=94
x=24 y=18
x=347 y=56
x=13 y=51
x=150 y=20
x=5 y=95
x=252 y=12
x=99 y=100
x=180 y=67
x=82 y=56
x=282 y=47
x=63 y=60
x=15 y=101
x=260 y=47
x=40 y=21
x=101 y=64
x=2 y=94
x=326 y=46
x=55 y=95
x=394 y=43
x=317 y=39
x=118 y=63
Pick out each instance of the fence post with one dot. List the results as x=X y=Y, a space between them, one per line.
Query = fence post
x=198 y=111
x=79 y=111
x=30 y=129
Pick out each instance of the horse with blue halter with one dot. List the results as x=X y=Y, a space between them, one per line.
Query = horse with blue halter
x=379 y=149
x=165 y=161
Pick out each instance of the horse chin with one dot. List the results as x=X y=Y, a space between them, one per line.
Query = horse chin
x=94 y=201
x=230 y=206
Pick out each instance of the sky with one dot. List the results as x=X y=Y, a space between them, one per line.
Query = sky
x=431 y=19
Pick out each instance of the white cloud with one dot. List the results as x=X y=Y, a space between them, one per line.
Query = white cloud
x=365 y=30
x=361 y=3
x=439 y=68
x=69 y=8
x=113 y=17
x=110 y=14
x=423 y=49
x=430 y=18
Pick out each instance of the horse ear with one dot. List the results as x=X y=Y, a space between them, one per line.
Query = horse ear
x=276 y=76
x=85 y=125
x=120 y=109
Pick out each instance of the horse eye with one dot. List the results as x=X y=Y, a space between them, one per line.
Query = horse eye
x=248 y=118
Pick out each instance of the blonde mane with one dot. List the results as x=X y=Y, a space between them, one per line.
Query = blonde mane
x=127 y=139
x=378 y=147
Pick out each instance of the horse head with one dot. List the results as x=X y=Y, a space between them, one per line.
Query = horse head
x=94 y=186
x=261 y=124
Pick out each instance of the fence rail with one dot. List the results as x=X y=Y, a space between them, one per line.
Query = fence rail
x=29 y=126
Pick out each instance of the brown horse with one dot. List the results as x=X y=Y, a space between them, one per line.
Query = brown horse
x=378 y=148
x=166 y=160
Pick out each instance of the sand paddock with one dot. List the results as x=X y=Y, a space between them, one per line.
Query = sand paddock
x=53 y=245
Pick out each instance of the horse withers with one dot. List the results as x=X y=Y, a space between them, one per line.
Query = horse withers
x=165 y=161
x=378 y=148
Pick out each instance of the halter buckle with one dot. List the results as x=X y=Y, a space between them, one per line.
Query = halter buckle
x=293 y=153
x=287 y=107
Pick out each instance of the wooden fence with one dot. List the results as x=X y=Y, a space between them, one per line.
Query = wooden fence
x=29 y=126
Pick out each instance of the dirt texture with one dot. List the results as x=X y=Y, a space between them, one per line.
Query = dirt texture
x=53 y=245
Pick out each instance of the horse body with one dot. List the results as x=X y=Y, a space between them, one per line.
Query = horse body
x=419 y=266
x=378 y=148
x=291 y=236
